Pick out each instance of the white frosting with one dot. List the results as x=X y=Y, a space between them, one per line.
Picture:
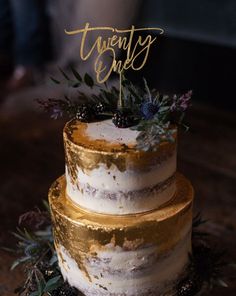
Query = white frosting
x=106 y=130
x=111 y=191
x=121 y=183
x=138 y=272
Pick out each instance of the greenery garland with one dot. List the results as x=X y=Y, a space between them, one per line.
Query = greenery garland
x=143 y=109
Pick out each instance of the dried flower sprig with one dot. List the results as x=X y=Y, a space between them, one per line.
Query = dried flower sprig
x=182 y=103
x=159 y=117
x=37 y=255
x=59 y=108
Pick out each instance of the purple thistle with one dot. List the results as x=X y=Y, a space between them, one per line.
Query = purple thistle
x=148 y=110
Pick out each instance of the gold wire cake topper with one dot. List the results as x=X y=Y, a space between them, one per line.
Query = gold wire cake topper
x=120 y=40
x=153 y=115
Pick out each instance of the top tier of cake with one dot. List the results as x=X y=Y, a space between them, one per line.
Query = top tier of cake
x=106 y=173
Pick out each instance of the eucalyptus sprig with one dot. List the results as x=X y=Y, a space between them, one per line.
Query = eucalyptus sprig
x=160 y=117
x=152 y=134
x=69 y=108
x=154 y=115
x=76 y=81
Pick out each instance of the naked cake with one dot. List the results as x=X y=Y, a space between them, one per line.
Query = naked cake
x=122 y=216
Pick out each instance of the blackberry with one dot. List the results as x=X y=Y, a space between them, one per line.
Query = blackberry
x=84 y=113
x=56 y=292
x=148 y=110
x=99 y=108
x=65 y=290
x=122 y=119
x=189 y=286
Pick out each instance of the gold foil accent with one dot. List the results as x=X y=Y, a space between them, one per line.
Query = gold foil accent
x=87 y=154
x=80 y=232
x=133 y=245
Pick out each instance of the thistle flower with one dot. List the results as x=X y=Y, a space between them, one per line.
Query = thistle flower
x=148 y=110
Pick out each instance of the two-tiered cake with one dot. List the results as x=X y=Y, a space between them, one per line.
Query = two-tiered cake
x=122 y=217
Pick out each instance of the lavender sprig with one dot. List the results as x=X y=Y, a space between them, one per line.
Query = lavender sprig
x=182 y=103
x=58 y=108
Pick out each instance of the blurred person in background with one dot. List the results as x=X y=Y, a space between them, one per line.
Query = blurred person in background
x=23 y=40
x=24 y=36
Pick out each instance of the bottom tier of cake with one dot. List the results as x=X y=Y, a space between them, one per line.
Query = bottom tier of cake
x=134 y=255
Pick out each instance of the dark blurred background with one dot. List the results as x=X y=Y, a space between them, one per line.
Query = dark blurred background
x=196 y=52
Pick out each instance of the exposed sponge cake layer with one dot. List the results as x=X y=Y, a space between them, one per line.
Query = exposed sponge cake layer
x=142 y=254
x=107 y=174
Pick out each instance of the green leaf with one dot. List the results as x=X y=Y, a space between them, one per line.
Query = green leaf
x=76 y=74
x=20 y=237
x=64 y=74
x=88 y=80
x=20 y=261
x=29 y=236
x=46 y=205
x=35 y=293
x=147 y=89
x=164 y=109
x=53 y=283
x=41 y=284
x=8 y=250
x=185 y=127
x=74 y=84
x=54 y=259
x=55 y=80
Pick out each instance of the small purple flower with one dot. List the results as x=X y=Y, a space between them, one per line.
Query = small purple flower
x=174 y=105
x=148 y=110
x=182 y=103
x=35 y=220
x=56 y=112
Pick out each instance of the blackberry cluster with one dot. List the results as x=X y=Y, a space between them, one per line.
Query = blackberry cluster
x=99 y=108
x=122 y=119
x=65 y=290
x=84 y=113
x=190 y=286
